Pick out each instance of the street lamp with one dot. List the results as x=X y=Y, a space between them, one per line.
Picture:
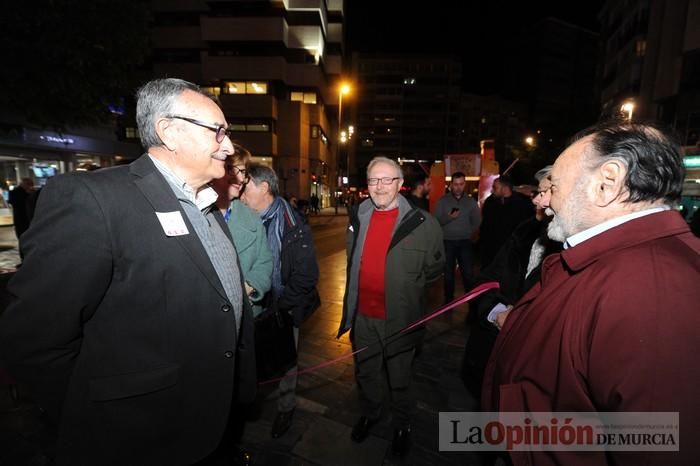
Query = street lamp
x=629 y=108
x=343 y=89
x=530 y=141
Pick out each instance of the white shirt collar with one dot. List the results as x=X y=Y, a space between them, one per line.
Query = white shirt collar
x=589 y=233
x=203 y=198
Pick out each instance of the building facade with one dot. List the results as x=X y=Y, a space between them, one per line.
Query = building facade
x=651 y=61
x=406 y=107
x=274 y=66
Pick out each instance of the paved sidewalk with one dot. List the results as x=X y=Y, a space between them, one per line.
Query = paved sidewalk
x=327 y=399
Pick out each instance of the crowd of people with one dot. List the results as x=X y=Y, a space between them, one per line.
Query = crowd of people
x=139 y=340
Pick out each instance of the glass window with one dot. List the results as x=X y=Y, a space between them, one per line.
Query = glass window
x=236 y=127
x=131 y=133
x=259 y=127
x=297 y=96
x=314 y=132
x=255 y=88
x=232 y=87
x=213 y=90
x=309 y=97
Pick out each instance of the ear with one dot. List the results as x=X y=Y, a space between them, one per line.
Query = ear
x=166 y=131
x=609 y=183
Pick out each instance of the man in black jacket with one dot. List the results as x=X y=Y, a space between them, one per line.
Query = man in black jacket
x=502 y=212
x=295 y=271
x=127 y=315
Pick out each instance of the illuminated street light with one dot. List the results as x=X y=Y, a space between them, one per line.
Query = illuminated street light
x=530 y=141
x=629 y=108
x=343 y=89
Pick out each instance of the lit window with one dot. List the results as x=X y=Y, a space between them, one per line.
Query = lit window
x=212 y=90
x=641 y=47
x=231 y=87
x=306 y=97
x=261 y=127
x=132 y=133
x=255 y=88
x=236 y=127
x=315 y=132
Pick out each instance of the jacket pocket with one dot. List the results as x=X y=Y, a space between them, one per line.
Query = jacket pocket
x=119 y=386
x=412 y=258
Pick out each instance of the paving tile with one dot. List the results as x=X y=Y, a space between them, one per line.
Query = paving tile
x=328 y=443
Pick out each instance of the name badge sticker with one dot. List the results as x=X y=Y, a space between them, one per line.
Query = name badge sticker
x=173 y=224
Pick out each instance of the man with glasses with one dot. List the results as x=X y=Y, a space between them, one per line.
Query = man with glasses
x=394 y=251
x=128 y=318
x=294 y=271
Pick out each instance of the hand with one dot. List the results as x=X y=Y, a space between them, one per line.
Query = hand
x=249 y=290
x=454 y=214
x=501 y=317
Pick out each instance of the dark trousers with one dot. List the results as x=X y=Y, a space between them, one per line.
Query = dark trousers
x=372 y=365
x=457 y=252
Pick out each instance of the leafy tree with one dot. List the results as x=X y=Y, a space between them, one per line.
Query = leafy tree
x=65 y=61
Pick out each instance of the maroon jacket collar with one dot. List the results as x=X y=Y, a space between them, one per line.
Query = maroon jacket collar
x=632 y=233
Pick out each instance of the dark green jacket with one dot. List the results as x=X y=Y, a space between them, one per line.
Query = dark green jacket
x=415 y=258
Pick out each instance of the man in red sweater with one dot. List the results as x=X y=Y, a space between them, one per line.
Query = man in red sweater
x=394 y=250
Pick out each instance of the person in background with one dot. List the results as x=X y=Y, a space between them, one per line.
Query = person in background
x=516 y=268
x=23 y=201
x=612 y=326
x=503 y=211
x=394 y=251
x=459 y=216
x=247 y=230
x=128 y=318
x=418 y=184
x=295 y=270
x=314 y=203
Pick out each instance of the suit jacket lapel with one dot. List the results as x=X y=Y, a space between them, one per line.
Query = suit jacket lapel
x=148 y=179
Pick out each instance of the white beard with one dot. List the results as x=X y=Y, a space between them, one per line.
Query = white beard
x=571 y=218
x=555 y=230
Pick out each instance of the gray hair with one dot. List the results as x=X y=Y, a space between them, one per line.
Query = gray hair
x=259 y=173
x=388 y=161
x=543 y=173
x=155 y=99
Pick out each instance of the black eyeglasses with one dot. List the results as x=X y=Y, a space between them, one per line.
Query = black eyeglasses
x=385 y=181
x=221 y=131
x=232 y=169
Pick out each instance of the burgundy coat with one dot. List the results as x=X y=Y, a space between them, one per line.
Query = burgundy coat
x=613 y=325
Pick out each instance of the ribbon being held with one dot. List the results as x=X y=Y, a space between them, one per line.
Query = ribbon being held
x=476 y=291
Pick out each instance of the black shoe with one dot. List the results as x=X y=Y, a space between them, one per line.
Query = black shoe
x=402 y=442
x=361 y=428
x=283 y=422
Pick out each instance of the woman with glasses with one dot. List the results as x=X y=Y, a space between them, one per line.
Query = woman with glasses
x=246 y=228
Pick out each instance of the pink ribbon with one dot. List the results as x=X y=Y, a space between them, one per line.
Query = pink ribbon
x=476 y=291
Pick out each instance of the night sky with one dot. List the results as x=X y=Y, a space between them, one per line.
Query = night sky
x=479 y=32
